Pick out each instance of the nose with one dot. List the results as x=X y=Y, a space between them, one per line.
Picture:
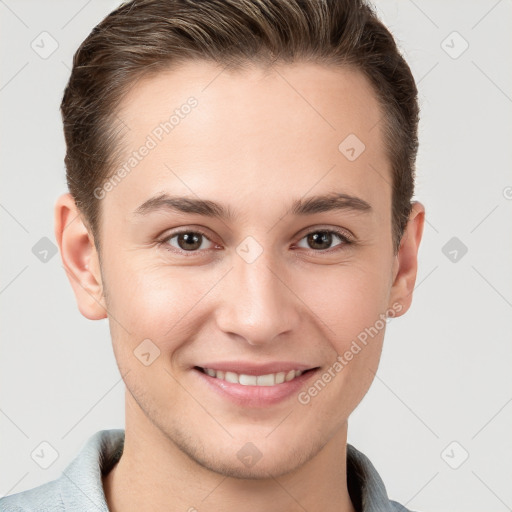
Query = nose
x=257 y=303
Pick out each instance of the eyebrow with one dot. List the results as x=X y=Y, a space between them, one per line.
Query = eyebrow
x=207 y=208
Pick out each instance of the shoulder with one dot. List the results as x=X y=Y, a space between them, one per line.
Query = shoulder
x=80 y=484
x=366 y=488
x=397 y=507
x=44 y=498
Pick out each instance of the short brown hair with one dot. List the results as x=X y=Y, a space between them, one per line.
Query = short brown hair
x=142 y=37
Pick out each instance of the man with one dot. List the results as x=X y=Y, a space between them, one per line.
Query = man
x=240 y=176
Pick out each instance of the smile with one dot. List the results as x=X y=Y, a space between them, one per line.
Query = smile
x=270 y=379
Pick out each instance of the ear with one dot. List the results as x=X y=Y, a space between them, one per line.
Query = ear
x=406 y=261
x=80 y=258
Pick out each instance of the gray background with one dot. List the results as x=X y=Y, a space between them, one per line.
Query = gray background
x=445 y=373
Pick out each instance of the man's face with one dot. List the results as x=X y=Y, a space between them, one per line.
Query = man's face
x=262 y=286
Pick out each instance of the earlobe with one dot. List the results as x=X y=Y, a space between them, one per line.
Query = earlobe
x=406 y=260
x=79 y=258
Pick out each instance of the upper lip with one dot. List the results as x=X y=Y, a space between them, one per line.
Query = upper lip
x=247 y=368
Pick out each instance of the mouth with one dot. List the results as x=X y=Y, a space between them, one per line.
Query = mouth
x=244 y=379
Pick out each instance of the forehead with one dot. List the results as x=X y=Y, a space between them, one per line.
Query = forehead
x=331 y=98
x=257 y=133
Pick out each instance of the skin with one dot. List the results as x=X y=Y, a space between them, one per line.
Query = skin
x=256 y=141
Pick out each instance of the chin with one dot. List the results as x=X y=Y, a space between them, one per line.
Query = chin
x=260 y=459
x=273 y=467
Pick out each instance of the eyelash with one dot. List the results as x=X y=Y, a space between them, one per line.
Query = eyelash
x=345 y=239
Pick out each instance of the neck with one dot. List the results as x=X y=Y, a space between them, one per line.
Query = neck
x=154 y=474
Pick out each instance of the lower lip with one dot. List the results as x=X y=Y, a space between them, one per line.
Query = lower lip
x=255 y=396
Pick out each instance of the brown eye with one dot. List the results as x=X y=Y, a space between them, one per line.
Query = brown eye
x=188 y=241
x=321 y=240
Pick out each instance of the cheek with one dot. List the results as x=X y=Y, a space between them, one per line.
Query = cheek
x=351 y=308
x=350 y=305
x=149 y=312
x=151 y=299
x=346 y=300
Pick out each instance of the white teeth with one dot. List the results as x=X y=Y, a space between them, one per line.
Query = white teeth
x=230 y=377
x=248 y=380
x=254 y=380
x=266 y=380
x=290 y=375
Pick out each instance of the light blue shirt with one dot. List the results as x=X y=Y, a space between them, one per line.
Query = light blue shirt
x=80 y=488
